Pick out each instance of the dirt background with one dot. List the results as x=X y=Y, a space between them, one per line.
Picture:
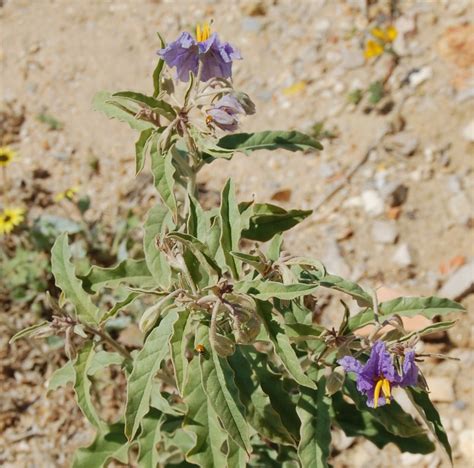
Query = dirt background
x=301 y=61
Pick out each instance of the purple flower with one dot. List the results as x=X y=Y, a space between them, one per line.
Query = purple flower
x=378 y=376
x=186 y=52
x=224 y=113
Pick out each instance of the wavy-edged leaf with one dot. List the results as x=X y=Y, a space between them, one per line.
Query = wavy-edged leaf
x=267 y=220
x=259 y=411
x=269 y=140
x=201 y=421
x=141 y=147
x=30 y=331
x=230 y=227
x=271 y=384
x=282 y=345
x=119 y=305
x=110 y=445
x=156 y=105
x=62 y=376
x=150 y=435
x=315 y=433
x=163 y=174
x=223 y=395
x=82 y=385
x=178 y=348
x=236 y=456
x=431 y=417
x=158 y=222
x=146 y=364
x=265 y=290
x=429 y=307
x=132 y=272
x=65 y=278
x=355 y=422
x=104 y=102
x=103 y=359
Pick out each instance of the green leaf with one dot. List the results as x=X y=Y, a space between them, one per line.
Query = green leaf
x=429 y=307
x=82 y=385
x=282 y=345
x=111 y=445
x=157 y=105
x=223 y=395
x=270 y=140
x=141 y=147
x=268 y=220
x=431 y=416
x=62 y=376
x=230 y=226
x=119 y=305
x=252 y=260
x=104 y=102
x=313 y=410
x=202 y=423
x=236 y=457
x=259 y=412
x=355 y=422
x=265 y=290
x=272 y=385
x=146 y=364
x=156 y=225
x=103 y=359
x=198 y=222
x=178 y=348
x=158 y=69
x=391 y=416
x=30 y=331
x=433 y=328
x=132 y=272
x=163 y=170
x=150 y=435
x=64 y=274
x=274 y=248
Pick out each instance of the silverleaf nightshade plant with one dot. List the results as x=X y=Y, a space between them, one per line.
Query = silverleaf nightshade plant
x=233 y=370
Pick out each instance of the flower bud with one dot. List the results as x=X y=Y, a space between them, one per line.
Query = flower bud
x=246 y=103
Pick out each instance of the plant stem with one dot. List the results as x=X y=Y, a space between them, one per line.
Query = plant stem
x=104 y=336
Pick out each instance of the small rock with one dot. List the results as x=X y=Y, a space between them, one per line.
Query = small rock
x=334 y=260
x=468 y=131
x=352 y=58
x=405 y=25
x=460 y=283
x=466 y=443
x=454 y=183
x=402 y=256
x=372 y=202
x=460 y=208
x=384 y=232
x=251 y=24
x=419 y=76
x=395 y=194
x=441 y=389
x=404 y=143
x=322 y=25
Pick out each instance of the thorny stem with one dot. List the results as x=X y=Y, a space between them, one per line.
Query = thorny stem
x=109 y=340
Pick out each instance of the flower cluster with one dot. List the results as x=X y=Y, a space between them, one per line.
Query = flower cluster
x=206 y=56
x=382 y=38
x=378 y=376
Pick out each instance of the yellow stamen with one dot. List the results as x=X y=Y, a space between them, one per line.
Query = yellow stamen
x=386 y=390
x=203 y=32
x=377 y=390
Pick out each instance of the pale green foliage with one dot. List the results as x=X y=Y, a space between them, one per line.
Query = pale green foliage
x=233 y=369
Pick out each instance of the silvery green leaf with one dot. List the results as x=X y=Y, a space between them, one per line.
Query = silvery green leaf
x=141 y=149
x=156 y=105
x=150 y=435
x=30 y=331
x=103 y=359
x=62 y=376
x=265 y=290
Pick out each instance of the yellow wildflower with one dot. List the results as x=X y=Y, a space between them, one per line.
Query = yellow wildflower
x=69 y=194
x=7 y=155
x=373 y=49
x=10 y=218
x=385 y=35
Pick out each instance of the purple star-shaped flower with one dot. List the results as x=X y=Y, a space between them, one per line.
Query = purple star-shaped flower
x=186 y=52
x=224 y=113
x=378 y=376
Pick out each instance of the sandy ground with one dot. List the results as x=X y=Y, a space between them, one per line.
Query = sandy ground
x=301 y=60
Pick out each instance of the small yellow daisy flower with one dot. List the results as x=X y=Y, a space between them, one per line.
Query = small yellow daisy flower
x=7 y=155
x=385 y=35
x=10 y=218
x=69 y=194
x=373 y=49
